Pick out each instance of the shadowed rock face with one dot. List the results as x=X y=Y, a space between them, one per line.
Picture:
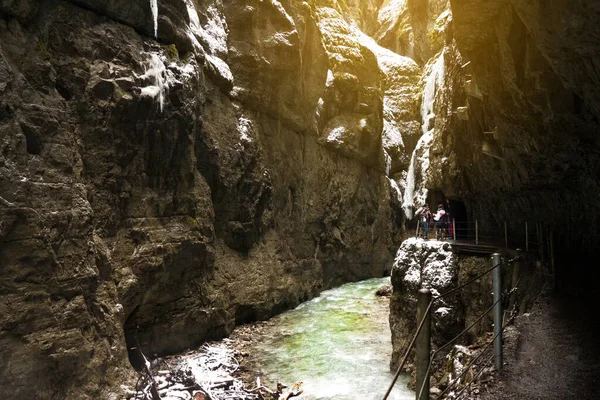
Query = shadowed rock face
x=158 y=193
x=515 y=115
x=535 y=66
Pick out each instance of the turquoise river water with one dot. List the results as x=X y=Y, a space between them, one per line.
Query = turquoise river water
x=338 y=344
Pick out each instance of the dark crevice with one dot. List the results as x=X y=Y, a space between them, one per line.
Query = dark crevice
x=34 y=142
x=132 y=342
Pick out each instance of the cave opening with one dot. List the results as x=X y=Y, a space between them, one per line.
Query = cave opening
x=455 y=208
x=131 y=341
x=458 y=212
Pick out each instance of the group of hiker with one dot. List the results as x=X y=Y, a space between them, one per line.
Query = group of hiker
x=441 y=220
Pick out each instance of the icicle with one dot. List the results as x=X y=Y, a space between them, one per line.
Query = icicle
x=154 y=9
x=432 y=83
x=157 y=73
x=409 y=190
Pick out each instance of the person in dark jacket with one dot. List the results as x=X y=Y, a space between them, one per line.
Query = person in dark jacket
x=425 y=216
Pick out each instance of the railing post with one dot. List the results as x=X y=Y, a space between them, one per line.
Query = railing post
x=497 y=283
x=515 y=277
x=454 y=228
x=505 y=235
x=417 y=232
x=476 y=232
x=423 y=343
x=526 y=237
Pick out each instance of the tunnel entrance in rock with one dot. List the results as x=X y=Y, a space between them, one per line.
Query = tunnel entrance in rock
x=458 y=211
x=455 y=208
x=132 y=342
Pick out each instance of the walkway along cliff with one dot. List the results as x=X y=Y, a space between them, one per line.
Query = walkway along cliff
x=172 y=168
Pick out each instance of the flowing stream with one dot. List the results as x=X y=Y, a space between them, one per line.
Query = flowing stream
x=338 y=344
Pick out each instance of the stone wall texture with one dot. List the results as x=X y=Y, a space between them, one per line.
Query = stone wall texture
x=162 y=180
x=158 y=191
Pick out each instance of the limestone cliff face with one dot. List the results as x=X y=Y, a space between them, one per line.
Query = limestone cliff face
x=533 y=85
x=508 y=109
x=165 y=179
x=171 y=169
x=509 y=112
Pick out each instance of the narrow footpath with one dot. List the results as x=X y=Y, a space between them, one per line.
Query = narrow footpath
x=557 y=353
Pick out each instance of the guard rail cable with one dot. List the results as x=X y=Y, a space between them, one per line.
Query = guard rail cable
x=453 y=340
x=513 y=233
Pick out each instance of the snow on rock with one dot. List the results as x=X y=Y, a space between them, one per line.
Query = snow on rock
x=433 y=265
x=210 y=39
x=388 y=163
x=246 y=129
x=425 y=264
x=158 y=77
x=390 y=14
x=396 y=190
x=416 y=183
x=161 y=75
x=422 y=264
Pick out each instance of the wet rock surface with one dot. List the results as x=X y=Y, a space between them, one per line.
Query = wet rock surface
x=434 y=265
x=169 y=172
x=155 y=195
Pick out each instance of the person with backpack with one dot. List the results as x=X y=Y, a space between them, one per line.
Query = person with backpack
x=425 y=218
x=440 y=220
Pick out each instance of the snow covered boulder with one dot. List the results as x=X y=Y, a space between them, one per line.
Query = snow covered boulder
x=435 y=266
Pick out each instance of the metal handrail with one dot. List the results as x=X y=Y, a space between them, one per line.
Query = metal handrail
x=504 y=296
x=436 y=352
x=428 y=311
x=410 y=346
x=532 y=238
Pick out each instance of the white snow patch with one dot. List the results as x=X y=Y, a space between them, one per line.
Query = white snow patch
x=388 y=163
x=391 y=131
x=430 y=264
x=420 y=155
x=245 y=129
x=396 y=189
x=161 y=78
x=335 y=135
x=221 y=66
x=443 y=311
x=330 y=78
x=210 y=38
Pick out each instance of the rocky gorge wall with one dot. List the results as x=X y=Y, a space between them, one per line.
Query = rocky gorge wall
x=170 y=169
x=167 y=175
x=509 y=122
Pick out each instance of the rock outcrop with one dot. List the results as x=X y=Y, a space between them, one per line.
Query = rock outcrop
x=170 y=169
x=528 y=148
x=433 y=265
x=463 y=284
x=164 y=179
